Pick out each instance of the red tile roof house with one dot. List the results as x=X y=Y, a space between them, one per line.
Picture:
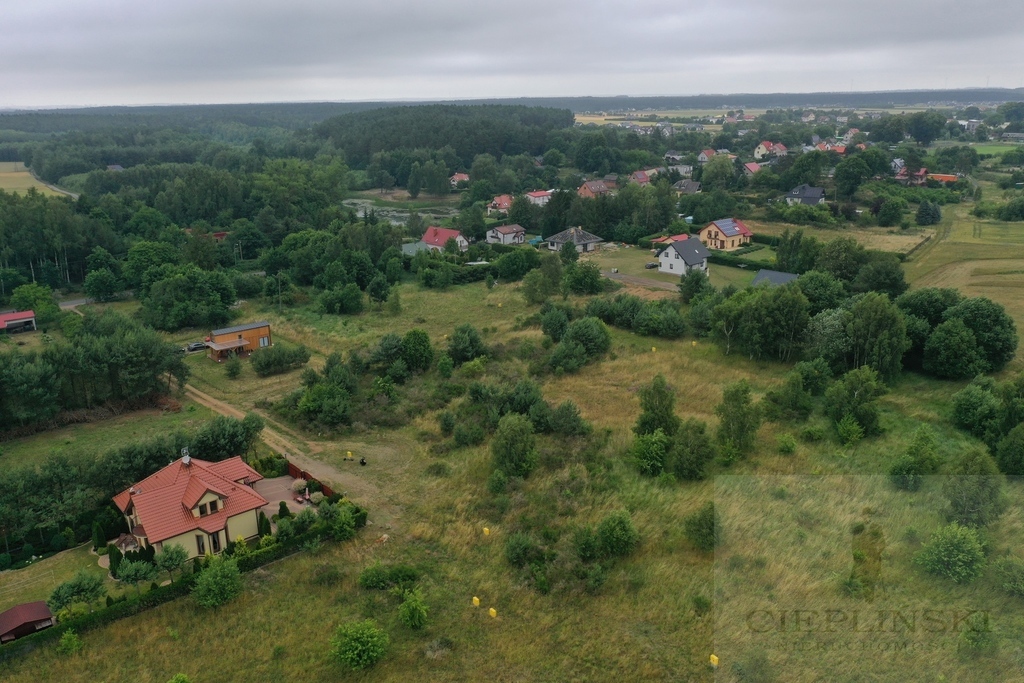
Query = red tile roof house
x=458 y=178
x=669 y=239
x=750 y=169
x=539 y=198
x=435 y=238
x=21 y=620
x=199 y=505
x=17 y=321
x=503 y=202
x=705 y=156
x=641 y=178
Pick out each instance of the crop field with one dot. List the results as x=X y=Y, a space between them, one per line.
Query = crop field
x=14 y=177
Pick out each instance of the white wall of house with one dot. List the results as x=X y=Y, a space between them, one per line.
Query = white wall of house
x=669 y=261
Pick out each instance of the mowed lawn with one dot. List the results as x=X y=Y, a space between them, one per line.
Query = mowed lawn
x=37 y=581
x=14 y=177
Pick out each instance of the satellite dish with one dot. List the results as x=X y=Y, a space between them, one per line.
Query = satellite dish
x=185 y=458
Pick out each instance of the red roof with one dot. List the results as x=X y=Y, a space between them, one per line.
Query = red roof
x=839 y=149
x=539 y=193
x=459 y=177
x=708 y=153
x=19 y=615
x=766 y=144
x=164 y=500
x=16 y=317
x=502 y=202
x=752 y=167
x=944 y=177
x=510 y=229
x=438 y=237
x=779 y=147
x=670 y=238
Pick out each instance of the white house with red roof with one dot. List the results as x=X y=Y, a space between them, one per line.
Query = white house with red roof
x=749 y=169
x=435 y=238
x=196 y=504
x=503 y=202
x=705 y=156
x=539 y=198
x=458 y=178
x=763 y=149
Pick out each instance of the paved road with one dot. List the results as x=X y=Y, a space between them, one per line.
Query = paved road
x=640 y=281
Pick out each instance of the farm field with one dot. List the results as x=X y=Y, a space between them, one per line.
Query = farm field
x=14 y=177
x=881 y=239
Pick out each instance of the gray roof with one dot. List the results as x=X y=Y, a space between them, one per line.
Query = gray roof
x=576 y=236
x=691 y=251
x=241 y=328
x=688 y=186
x=772 y=277
x=806 y=194
x=413 y=248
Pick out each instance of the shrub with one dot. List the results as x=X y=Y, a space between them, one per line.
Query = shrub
x=445 y=366
x=554 y=323
x=233 y=368
x=702 y=528
x=513 y=445
x=218 y=583
x=616 y=535
x=568 y=357
x=954 y=552
x=815 y=375
x=567 y=421
x=70 y=643
x=849 y=430
x=739 y=417
x=812 y=433
x=417 y=351
x=975 y=409
x=497 y=482
x=381 y=577
x=974 y=489
x=1010 y=452
x=469 y=435
x=905 y=473
x=277 y=359
x=465 y=345
x=691 y=451
x=976 y=636
x=786 y=444
x=521 y=550
x=413 y=610
x=648 y=452
x=855 y=394
x=591 y=334
x=790 y=401
x=1010 y=572
x=359 y=645
x=586 y=544
x=657 y=409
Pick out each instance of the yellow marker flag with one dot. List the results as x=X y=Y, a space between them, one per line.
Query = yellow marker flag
x=348 y=454
x=714 y=661
x=499 y=305
x=653 y=349
x=694 y=344
x=476 y=601
x=487 y=532
x=493 y=612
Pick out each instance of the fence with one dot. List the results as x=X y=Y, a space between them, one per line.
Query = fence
x=297 y=473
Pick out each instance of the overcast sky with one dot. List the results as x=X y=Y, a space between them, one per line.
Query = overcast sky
x=94 y=52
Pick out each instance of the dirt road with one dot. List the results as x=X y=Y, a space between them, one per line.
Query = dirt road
x=356 y=487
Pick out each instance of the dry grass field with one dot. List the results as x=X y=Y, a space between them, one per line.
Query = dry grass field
x=14 y=177
x=882 y=239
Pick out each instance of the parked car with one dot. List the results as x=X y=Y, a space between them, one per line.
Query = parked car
x=651 y=264
x=195 y=346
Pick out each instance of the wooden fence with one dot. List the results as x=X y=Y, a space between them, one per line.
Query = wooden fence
x=297 y=473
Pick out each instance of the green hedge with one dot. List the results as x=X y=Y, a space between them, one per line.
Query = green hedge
x=723 y=259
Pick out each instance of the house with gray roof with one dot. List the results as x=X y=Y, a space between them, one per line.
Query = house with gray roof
x=583 y=240
x=805 y=194
x=772 y=278
x=679 y=258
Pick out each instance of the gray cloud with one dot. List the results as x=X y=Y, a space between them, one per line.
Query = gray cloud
x=65 y=52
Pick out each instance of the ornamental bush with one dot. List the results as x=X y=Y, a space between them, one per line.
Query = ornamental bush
x=954 y=552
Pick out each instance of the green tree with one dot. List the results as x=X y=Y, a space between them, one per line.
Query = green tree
x=171 y=558
x=616 y=535
x=694 y=284
x=417 y=351
x=691 y=451
x=890 y=212
x=102 y=285
x=83 y=587
x=591 y=334
x=583 y=278
x=136 y=572
x=855 y=394
x=974 y=489
x=219 y=582
x=954 y=552
x=37 y=298
x=925 y=126
x=703 y=528
x=842 y=258
x=952 y=352
x=883 y=274
x=465 y=345
x=657 y=409
x=994 y=330
x=851 y=174
x=648 y=452
x=413 y=610
x=379 y=289
x=359 y=645
x=878 y=335
x=1010 y=452
x=521 y=212
x=513 y=446
x=568 y=254
x=823 y=291
x=739 y=417
x=718 y=174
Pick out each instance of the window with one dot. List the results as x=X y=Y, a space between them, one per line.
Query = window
x=213 y=506
x=202 y=510
x=200 y=544
x=670 y=266
x=215 y=542
x=264 y=341
x=239 y=336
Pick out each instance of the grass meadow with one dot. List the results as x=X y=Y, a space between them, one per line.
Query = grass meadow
x=645 y=622
x=14 y=177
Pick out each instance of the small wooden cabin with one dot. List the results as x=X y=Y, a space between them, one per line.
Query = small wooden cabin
x=240 y=339
x=21 y=620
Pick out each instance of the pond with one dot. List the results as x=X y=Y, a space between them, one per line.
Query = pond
x=399 y=216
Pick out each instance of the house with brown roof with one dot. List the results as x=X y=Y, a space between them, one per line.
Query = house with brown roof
x=436 y=238
x=196 y=504
x=725 y=234
x=539 y=198
x=583 y=240
x=458 y=178
x=25 y=619
x=503 y=202
x=592 y=189
x=507 y=234
x=751 y=168
x=705 y=156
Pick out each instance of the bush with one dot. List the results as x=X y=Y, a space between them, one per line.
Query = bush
x=586 y=544
x=233 y=368
x=616 y=535
x=445 y=366
x=568 y=357
x=521 y=550
x=469 y=435
x=905 y=473
x=786 y=444
x=218 y=583
x=554 y=323
x=380 y=577
x=954 y=552
x=465 y=345
x=413 y=610
x=812 y=434
x=359 y=645
x=591 y=334
x=975 y=409
x=446 y=422
x=277 y=359
x=702 y=528
x=567 y=421
x=849 y=431
x=1010 y=572
x=648 y=452
x=691 y=451
x=497 y=482
x=739 y=417
x=513 y=445
x=70 y=643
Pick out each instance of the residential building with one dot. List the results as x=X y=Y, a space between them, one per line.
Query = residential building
x=25 y=619
x=680 y=257
x=199 y=505
x=458 y=178
x=806 y=194
x=669 y=239
x=772 y=278
x=539 y=198
x=240 y=340
x=502 y=203
x=726 y=234
x=673 y=156
x=592 y=189
x=583 y=240
x=507 y=234
x=436 y=238
x=687 y=187
x=751 y=168
x=763 y=149
x=705 y=156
